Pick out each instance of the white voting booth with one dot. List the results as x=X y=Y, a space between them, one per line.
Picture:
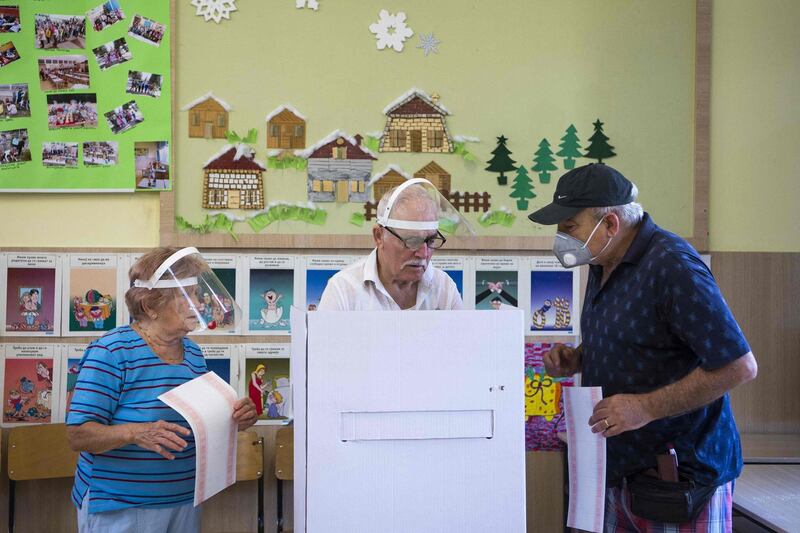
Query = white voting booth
x=409 y=422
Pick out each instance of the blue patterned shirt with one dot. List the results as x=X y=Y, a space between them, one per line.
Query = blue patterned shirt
x=659 y=316
x=119 y=382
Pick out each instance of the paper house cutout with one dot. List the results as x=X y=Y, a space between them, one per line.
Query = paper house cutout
x=391 y=177
x=208 y=117
x=339 y=169
x=416 y=123
x=233 y=180
x=286 y=128
x=436 y=175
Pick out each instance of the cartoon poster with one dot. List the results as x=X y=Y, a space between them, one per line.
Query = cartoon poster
x=29 y=373
x=544 y=404
x=554 y=298
x=319 y=269
x=72 y=355
x=496 y=282
x=32 y=294
x=270 y=294
x=459 y=270
x=267 y=382
x=92 y=286
x=226 y=267
x=222 y=359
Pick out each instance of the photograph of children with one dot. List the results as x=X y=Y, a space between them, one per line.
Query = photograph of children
x=63 y=72
x=124 y=117
x=30 y=299
x=14 y=101
x=144 y=29
x=105 y=15
x=544 y=403
x=316 y=281
x=271 y=297
x=14 y=147
x=28 y=386
x=60 y=155
x=551 y=301
x=269 y=386
x=73 y=367
x=496 y=287
x=112 y=53
x=152 y=165
x=92 y=305
x=71 y=111
x=62 y=32
x=9 y=19
x=100 y=154
x=143 y=83
x=221 y=367
x=8 y=53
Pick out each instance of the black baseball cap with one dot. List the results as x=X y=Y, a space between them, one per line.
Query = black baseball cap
x=592 y=185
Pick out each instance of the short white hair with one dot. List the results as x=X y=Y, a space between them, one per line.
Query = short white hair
x=629 y=214
x=414 y=195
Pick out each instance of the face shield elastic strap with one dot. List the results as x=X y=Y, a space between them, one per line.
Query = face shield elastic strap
x=156 y=283
x=385 y=221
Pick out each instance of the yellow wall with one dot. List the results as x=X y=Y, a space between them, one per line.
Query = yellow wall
x=755 y=134
x=755 y=126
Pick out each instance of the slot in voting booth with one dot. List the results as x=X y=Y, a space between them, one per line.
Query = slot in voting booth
x=409 y=421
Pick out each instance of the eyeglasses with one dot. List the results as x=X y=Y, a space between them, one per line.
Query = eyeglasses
x=433 y=242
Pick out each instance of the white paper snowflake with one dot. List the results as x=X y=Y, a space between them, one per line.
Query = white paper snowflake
x=391 y=30
x=311 y=4
x=429 y=44
x=215 y=10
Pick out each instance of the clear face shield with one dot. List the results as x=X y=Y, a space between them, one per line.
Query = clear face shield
x=417 y=213
x=200 y=298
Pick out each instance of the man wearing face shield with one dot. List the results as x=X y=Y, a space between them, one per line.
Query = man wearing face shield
x=136 y=469
x=398 y=274
x=659 y=339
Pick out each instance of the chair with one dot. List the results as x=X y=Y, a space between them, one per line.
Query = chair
x=250 y=466
x=284 y=465
x=37 y=452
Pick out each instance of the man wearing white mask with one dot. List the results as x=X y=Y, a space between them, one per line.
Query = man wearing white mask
x=397 y=275
x=660 y=340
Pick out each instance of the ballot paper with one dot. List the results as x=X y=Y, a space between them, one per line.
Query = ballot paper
x=587 y=460
x=207 y=404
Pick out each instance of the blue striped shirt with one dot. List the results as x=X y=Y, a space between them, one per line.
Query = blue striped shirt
x=119 y=382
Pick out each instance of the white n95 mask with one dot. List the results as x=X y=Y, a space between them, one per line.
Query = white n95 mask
x=572 y=252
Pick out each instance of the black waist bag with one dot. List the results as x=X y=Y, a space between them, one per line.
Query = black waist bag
x=667 y=501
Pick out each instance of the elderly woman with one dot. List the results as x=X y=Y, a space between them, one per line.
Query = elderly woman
x=136 y=469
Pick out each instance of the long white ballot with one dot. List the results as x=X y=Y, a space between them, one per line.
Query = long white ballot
x=587 y=460
x=207 y=404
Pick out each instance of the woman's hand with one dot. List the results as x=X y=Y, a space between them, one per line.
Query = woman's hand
x=159 y=437
x=244 y=412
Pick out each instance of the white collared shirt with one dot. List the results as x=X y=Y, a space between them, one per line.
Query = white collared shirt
x=358 y=288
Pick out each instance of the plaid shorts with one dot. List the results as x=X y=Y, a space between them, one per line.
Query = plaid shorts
x=717 y=517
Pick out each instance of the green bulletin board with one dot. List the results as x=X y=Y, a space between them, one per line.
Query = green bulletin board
x=59 y=104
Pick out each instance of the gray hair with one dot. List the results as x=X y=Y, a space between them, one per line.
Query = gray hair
x=414 y=196
x=629 y=214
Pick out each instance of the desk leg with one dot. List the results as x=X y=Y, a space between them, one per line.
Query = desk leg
x=279 y=510
x=11 y=490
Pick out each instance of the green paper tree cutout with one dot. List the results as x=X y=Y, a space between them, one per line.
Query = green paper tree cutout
x=598 y=144
x=570 y=147
x=544 y=161
x=522 y=188
x=501 y=161
x=234 y=138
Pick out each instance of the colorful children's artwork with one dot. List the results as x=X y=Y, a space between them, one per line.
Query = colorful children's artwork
x=222 y=360
x=64 y=32
x=28 y=375
x=31 y=292
x=319 y=269
x=554 y=293
x=267 y=381
x=225 y=268
x=457 y=268
x=92 y=285
x=496 y=282
x=71 y=364
x=544 y=405
x=271 y=294
x=105 y=15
